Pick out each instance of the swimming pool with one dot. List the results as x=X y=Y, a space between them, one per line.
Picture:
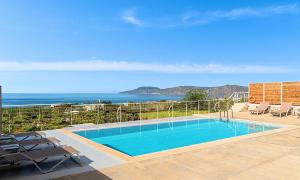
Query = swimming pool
x=149 y=138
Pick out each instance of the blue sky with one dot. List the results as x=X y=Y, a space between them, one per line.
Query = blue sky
x=111 y=45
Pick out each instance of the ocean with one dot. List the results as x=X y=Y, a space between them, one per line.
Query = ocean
x=18 y=99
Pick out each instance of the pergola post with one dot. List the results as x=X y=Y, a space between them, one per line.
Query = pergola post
x=263 y=92
x=281 y=93
x=0 y=109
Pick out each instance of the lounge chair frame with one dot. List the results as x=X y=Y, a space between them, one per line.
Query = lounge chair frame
x=26 y=157
x=23 y=136
x=261 y=109
x=287 y=110
x=32 y=143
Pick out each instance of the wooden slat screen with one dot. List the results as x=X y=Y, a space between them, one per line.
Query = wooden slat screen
x=271 y=92
x=291 y=92
x=256 y=90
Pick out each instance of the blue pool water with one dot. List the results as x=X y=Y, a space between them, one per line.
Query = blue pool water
x=139 y=140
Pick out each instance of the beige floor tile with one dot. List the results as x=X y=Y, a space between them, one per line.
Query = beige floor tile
x=273 y=156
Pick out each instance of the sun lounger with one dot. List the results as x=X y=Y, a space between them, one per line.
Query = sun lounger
x=38 y=156
x=285 y=109
x=23 y=136
x=29 y=144
x=261 y=109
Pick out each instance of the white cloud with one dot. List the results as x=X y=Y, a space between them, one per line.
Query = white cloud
x=196 y=17
x=130 y=17
x=289 y=8
x=102 y=65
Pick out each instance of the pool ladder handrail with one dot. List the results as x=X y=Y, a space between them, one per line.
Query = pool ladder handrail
x=119 y=115
x=229 y=108
x=171 y=107
x=218 y=105
x=169 y=110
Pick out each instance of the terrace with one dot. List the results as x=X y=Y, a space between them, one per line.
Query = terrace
x=265 y=155
x=270 y=156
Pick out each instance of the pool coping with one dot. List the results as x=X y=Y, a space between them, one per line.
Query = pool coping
x=134 y=123
x=178 y=150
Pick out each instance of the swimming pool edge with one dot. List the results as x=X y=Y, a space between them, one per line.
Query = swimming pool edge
x=178 y=150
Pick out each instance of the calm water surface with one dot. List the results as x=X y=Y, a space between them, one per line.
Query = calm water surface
x=138 y=140
x=15 y=99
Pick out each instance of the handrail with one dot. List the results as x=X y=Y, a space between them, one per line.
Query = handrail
x=97 y=104
x=119 y=115
x=215 y=105
x=169 y=109
x=217 y=108
x=119 y=109
x=237 y=96
x=228 y=107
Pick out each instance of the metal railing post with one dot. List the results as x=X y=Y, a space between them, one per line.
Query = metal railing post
x=220 y=110
x=157 y=117
x=140 y=118
x=208 y=106
x=0 y=109
x=157 y=112
x=40 y=117
x=20 y=114
x=198 y=108
x=120 y=113
x=98 y=113
x=140 y=111
x=186 y=107
x=227 y=109
x=172 y=110
x=9 y=123
x=71 y=113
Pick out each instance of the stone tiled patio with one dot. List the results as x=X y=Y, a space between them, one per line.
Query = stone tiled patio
x=272 y=156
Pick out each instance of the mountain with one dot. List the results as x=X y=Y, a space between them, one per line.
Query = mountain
x=214 y=92
x=225 y=91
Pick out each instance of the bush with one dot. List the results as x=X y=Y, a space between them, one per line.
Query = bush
x=195 y=95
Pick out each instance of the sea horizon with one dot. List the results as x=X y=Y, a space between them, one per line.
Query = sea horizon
x=31 y=99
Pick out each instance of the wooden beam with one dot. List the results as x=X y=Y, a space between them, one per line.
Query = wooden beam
x=263 y=92
x=281 y=94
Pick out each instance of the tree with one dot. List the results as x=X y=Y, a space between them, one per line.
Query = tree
x=195 y=95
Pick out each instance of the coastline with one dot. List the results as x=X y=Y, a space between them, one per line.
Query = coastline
x=47 y=99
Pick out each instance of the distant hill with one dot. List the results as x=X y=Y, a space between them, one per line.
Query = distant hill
x=214 y=92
